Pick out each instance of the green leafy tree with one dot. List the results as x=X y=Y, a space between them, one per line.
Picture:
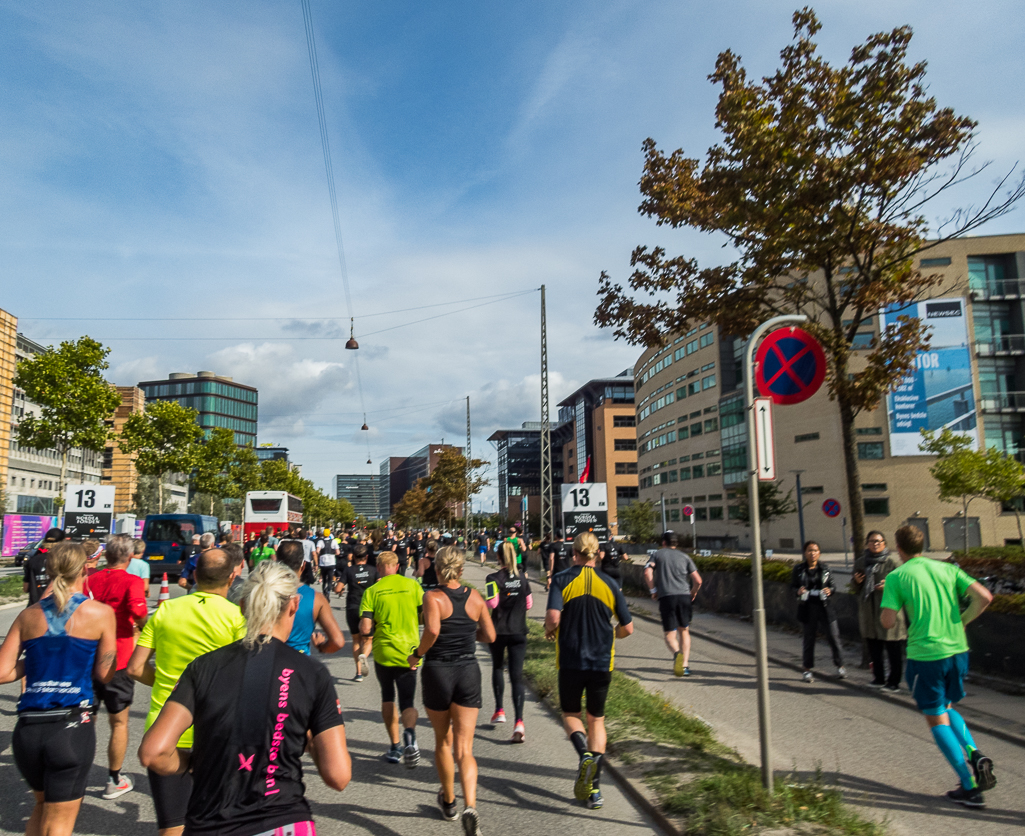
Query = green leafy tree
x=637 y=521
x=965 y=474
x=211 y=476
x=74 y=400
x=146 y=499
x=820 y=185
x=454 y=480
x=773 y=504
x=165 y=438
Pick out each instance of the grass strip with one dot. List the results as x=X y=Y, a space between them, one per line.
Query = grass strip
x=11 y=587
x=693 y=775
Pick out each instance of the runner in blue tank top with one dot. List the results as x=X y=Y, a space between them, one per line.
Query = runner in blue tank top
x=314 y=609
x=68 y=640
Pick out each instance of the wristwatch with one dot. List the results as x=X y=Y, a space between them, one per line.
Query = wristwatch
x=415 y=654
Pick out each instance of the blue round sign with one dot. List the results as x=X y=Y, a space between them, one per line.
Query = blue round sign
x=790 y=366
x=831 y=508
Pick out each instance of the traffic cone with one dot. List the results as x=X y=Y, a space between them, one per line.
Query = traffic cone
x=165 y=591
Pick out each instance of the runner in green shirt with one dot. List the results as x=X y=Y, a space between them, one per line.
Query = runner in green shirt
x=181 y=630
x=929 y=591
x=391 y=612
x=262 y=551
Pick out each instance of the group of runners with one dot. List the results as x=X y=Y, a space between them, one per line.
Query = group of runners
x=236 y=698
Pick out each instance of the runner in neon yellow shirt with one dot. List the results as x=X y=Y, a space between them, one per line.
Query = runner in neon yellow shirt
x=181 y=630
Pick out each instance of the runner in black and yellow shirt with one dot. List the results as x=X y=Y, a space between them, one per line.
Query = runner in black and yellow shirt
x=581 y=603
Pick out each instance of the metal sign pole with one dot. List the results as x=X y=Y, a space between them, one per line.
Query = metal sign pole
x=758 y=614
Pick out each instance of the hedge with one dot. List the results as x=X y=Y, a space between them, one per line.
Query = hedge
x=772 y=570
x=1012 y=554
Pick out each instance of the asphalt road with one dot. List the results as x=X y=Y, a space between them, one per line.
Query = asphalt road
x=523 y=789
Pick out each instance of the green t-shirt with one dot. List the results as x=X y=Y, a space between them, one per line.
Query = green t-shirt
x=394 y=603
x=261 y=553
x=929 y=592
x=181 y=630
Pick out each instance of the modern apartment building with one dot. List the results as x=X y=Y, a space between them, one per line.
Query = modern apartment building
x=692 y=434
x=519 y=468
x=220 y=401
x=118 y=469
x=398 y=474
x=602 y=439
x=361 y=491
x=268 y=452
x=33 y=476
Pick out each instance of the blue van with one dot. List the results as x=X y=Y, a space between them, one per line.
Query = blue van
x=166 y=535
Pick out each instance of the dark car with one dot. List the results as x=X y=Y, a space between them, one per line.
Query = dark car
x=20 y=557
x=166 y=537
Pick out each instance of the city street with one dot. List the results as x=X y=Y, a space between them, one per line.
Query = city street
x=524 y=789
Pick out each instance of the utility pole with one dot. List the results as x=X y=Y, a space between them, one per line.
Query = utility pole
x=547 y=509
x=466 y=506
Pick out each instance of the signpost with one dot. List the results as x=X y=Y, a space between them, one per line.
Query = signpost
x=765 y=443
x=585 y=507
x=89 y=511
x=789 y=368
x=688 y=511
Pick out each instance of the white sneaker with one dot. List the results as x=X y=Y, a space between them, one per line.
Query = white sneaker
x=841 y=672
x=120 y=788
x=806 y=676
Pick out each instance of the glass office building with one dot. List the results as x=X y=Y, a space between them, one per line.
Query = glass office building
x=220 y=401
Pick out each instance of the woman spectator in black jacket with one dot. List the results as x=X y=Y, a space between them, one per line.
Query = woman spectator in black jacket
x=813 y=583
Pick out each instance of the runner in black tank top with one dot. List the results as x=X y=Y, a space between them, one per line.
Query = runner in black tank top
x=455 y=618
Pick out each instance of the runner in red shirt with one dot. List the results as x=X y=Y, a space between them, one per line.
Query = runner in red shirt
x=127 y=595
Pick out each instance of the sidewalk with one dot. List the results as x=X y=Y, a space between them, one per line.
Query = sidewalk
x=877 y=749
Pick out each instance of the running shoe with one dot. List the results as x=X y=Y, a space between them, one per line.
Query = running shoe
x=411 y=755
x=448 y=808
x=806 y=676
x=892 y=689
x=358 y=678
x=498 y=716
x=394 y=754
x=686 y=671
x=362 y=661
x=968 y=798
x=594 y=800
x=841 y=672
x=520 y=733
x=678 y=664
x=877 y=685
x=125 y=785
x=471 y=822
x=585 y=775
x=983 y=769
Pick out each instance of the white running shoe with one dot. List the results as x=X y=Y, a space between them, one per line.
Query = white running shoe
x=120 y=788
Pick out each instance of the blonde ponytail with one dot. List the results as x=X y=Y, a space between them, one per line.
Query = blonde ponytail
x=265 y=596
x=509 y=558
x=64 y=565
x=586 y=545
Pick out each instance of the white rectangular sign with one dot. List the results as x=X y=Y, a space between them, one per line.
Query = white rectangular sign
x=92 y=498
x=584 y=496
x=765 y=445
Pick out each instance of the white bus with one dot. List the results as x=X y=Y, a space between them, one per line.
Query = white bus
x=277 y=509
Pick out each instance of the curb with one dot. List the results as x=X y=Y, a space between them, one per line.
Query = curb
x=982 y=726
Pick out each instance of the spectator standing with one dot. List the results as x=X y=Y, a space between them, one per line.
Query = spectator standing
x=126 y=595
x=930 y=592
x=138 y=565
x=869 y=580
x=673 y=580
x=813 y=583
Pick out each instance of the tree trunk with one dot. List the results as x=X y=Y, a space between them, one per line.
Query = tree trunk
x=965 y=504
x=211 y=505
x=856 y=508
x=63 y=484
x=160 y=493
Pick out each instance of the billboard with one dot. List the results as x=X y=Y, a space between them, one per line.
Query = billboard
x=22 y=530
x=938 y=393
x=585 y=507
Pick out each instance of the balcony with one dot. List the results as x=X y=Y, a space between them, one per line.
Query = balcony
x=1006 y=345
x=1003 y=402
x=999 y=289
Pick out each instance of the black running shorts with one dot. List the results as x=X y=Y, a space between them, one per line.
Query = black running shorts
x=170 y=797
x=675 y=611
x=447 y=685
x=395 y=678
x=53 y=758
x=117 y=694
x=573 y=685
x=352 y=618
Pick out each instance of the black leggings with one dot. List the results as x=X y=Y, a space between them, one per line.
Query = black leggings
x=817 y=614
x=517 y=647
x=892 y=649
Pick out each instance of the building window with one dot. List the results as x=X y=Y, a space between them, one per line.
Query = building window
x=713 y=469
x=715 y=513
x=623 y=421
x=877 y=506
x=625 y=444
x=874 y=486
x=870 y=450
x=708 y=382
x=694 y=388
x=935 y=262
x=863 y=341
x=698 y=471
x=625 y=493
x=683 y=433
x=811 y=490
x=692 y=346
x=701 y=514
x=806 y=437
x=707 y=339
x=681 y=393
x=869 y=431
x=684 y=473
x=622 y=467
x=672 y=475
x=734 y=512
x=695 y=429
x=108 y=458
x=711 y=425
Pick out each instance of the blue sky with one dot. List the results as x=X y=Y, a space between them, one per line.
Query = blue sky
x=163 y=160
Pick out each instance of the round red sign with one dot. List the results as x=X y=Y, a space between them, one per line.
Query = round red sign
x=790 y=366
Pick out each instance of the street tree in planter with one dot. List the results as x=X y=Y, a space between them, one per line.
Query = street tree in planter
x=819 y=186
x=166 y=437
x=74 y=401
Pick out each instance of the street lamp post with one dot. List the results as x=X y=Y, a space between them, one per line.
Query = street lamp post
x=800 y=506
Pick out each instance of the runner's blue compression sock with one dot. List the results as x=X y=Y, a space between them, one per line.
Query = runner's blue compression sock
x=951 y=749
x=960 y=729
